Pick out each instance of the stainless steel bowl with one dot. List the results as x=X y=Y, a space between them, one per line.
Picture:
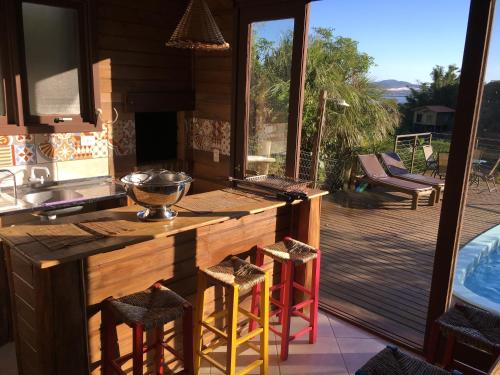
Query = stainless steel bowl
x=156 y=190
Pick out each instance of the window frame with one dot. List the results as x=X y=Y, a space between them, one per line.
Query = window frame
x=20 y=121
x=248 y=12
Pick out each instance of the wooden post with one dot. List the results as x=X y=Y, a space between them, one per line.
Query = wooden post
x=413 y=153
x=319 y=134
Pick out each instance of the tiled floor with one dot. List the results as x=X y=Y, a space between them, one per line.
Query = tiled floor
x=340 y=350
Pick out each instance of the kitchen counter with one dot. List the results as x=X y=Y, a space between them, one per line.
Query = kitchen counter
x=84 y=191
x=59 y=274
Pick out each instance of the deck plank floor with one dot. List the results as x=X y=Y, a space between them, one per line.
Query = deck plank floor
x=378 y=256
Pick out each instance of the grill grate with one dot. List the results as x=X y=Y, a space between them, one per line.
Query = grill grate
x=285 y=184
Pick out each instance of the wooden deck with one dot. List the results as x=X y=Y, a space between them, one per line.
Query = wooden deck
x=378 y=256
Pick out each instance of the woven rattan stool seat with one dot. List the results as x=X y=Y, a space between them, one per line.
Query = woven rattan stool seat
x=236 y=271
x=392 y=361
x=152 y=308
x=472 y=326
x=290 y=249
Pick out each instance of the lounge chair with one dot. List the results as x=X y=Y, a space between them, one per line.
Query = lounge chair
x=442 y=164
x=487 y=175
x=375 y=174
x=396 y=168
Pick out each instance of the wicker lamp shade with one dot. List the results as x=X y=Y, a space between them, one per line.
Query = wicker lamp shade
x=197 y=29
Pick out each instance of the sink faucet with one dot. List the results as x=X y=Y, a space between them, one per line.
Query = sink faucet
x=41 y=179
x=13 y=180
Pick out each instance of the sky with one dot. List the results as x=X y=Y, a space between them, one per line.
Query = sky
x=406 y=38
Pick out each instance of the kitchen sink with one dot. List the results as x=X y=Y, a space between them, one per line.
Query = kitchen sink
x=47 y=197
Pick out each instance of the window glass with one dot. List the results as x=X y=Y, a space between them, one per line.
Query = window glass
x=52 y=59
x=270 y=71
x=2 y=96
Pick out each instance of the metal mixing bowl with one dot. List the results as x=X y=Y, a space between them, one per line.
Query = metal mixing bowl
x=156 y=190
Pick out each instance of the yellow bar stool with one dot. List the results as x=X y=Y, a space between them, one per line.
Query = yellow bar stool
x=235 y=276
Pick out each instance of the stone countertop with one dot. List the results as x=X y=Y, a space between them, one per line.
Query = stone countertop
x=90 y=190
x=74 y=237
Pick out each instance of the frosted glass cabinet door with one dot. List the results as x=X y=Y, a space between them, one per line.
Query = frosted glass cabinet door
x=52 y=59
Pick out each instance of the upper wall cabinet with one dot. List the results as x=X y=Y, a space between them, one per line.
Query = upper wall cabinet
x=49 y=75
x=269 y=86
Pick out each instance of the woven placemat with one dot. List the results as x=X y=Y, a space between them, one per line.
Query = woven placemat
x=56 y=237
x=107 y=226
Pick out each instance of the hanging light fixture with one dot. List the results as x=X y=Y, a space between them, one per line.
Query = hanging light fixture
x=197 y=29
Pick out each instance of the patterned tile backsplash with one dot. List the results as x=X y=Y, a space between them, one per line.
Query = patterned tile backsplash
x=50 y=149
x=207 y=135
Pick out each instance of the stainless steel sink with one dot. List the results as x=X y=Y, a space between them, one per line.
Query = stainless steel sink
x=46 y=197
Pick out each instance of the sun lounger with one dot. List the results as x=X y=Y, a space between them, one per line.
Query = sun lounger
x=375 y=174
x=396 y=168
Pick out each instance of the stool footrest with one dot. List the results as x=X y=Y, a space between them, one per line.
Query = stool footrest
x=301 y=315
x=249 y=336
x=213 y=362
x=217 y=315
x=300 y=287
x=248 y=314
x=217 y=331
x=302 y=332
x=250 y=367
x=276 y=302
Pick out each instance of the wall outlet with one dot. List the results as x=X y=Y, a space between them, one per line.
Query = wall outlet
x=216 y=155
x=87 y=140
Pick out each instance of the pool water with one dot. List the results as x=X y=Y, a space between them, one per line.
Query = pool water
x=484 y=281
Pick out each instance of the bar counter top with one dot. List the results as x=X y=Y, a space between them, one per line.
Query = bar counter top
x=80 y=236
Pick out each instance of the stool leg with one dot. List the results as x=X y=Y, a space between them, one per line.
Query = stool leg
x=232 y=324
x=285 y=326
x=159 y=361
x=200 y=303
x=283 y=281
x=109 y=340
x=137 y=348
x=187 y=338
x=448 y=352
x=254 y=307
x=264 y=322
x=313 y=312
x=433 y=344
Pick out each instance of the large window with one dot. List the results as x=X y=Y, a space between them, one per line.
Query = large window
x=55 y=89
x=271 y=52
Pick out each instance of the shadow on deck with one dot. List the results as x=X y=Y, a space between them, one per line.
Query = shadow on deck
x=378 y=256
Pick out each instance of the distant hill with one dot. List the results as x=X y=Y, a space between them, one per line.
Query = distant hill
x=395 y=85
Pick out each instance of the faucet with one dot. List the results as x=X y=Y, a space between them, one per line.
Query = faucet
x=41 y=179
x=13 y=181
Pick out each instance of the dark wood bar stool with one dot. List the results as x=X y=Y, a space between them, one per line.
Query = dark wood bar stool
x=467 y=325
x=291 y=253
x=148 y=310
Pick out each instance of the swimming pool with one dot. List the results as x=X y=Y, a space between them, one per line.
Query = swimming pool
x=477 y=275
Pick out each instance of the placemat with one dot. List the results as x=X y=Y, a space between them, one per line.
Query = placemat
x=56 y=237
x=107 y=226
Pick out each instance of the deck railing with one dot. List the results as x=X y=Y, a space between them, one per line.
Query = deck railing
x=409 y=148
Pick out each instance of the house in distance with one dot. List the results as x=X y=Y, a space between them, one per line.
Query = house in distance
x=433 y=118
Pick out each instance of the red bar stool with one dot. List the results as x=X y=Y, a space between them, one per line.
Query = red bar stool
x=148 y=310
x=291 y=253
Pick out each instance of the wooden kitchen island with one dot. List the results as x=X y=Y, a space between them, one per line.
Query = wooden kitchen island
x=59 y=274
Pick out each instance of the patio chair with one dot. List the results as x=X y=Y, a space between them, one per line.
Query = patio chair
x=442 y=164
x=480 y=173
x=396 y=168
x=430 y=160
x=391 y=361
x=375 y=174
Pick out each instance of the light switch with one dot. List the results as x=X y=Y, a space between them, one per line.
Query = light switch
x=216 y=155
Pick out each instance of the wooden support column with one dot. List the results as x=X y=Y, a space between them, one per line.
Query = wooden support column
x=461 y=150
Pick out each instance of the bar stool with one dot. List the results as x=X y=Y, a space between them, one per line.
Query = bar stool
x=291 y=253
x=148 y=310
x=467 y=325
x=235 y=276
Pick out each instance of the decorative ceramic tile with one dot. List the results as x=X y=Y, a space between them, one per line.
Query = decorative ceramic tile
x=4 y=140
x=81 y=152
x=24 y=154
x=46 y=151
x=64 y=151
x=206 y=134
x=100 y=149
x=5 y=156
x=21 y=139
x=122 y=138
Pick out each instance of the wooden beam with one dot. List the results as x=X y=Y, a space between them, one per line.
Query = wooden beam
x=461 y=150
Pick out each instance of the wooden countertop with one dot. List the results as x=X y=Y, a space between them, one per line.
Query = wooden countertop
x=119 y=227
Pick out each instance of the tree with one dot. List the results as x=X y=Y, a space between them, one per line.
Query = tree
x=334 y=64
